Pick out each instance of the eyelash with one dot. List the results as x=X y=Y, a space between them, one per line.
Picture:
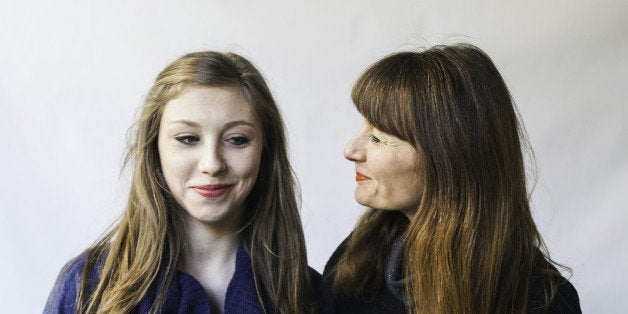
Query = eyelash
x=374 y=139
x=236 y=141
x=187 y=139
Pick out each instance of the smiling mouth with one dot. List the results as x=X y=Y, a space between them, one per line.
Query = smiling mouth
x=212 y=191
x=360 y=177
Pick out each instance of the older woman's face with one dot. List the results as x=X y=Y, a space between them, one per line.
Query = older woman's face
x=386 y=170
x=210 y=145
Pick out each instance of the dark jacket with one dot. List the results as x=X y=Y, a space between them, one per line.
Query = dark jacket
x=185 y=295
x=386 y=301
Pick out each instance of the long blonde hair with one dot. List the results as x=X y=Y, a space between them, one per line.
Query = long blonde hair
x=144 y=248
x=472 y=246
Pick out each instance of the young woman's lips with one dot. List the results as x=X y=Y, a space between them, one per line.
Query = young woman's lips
x=212 y=191
x=360 y=177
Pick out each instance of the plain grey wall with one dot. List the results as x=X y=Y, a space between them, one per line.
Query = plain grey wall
x=72 y=74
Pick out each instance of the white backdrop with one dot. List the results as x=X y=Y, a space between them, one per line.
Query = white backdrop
x=72 y=74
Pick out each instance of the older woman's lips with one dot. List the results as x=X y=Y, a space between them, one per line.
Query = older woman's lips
x=360 y=177
x=212 y=191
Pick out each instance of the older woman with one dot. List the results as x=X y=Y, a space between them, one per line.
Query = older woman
x=211 y=223
x=439 y=163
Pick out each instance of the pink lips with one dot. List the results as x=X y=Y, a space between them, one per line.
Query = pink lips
x=212 y=191
x=360 y=177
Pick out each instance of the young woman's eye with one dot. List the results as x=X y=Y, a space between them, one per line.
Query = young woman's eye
x=187 y=139
x=374 y=139
x=238 y=141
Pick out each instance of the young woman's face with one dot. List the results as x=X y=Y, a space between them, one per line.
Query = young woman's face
x=210 y=145
x=386 y=170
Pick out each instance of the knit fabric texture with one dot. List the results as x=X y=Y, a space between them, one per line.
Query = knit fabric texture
x=185 y=295
x=395 y=282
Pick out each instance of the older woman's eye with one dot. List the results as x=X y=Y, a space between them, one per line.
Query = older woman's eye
x=187 y=139
x=374 y=139
x=238 y=141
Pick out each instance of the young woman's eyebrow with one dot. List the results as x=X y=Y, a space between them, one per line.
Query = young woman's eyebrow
x=238 y=123
x=228 y=125
x=186 y=122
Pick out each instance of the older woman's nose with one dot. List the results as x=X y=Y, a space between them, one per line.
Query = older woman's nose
x=354 y=149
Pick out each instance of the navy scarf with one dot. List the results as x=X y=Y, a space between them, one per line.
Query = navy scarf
x=186 y=295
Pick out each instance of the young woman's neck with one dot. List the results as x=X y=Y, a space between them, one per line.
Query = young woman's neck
x=208 y=243
x=209 y=256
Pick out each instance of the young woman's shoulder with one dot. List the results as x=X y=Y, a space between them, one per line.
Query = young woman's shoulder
x=63 y=297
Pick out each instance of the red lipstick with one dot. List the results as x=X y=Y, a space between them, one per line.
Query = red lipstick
x=360 y=177
x=212 y=191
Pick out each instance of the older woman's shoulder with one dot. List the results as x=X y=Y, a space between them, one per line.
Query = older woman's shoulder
x=565 y=299
x=324 y=295
x=335 y=256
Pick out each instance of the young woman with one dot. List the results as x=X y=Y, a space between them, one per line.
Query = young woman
x=211 y=223
x=439 y=163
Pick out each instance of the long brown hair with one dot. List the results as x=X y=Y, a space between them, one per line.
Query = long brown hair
x=144 y=248
x=472 y=246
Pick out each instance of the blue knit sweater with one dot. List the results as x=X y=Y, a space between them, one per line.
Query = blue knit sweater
x=186 y=295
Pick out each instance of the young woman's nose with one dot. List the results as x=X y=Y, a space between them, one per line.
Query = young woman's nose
x=354 y=150
x=212 y=161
